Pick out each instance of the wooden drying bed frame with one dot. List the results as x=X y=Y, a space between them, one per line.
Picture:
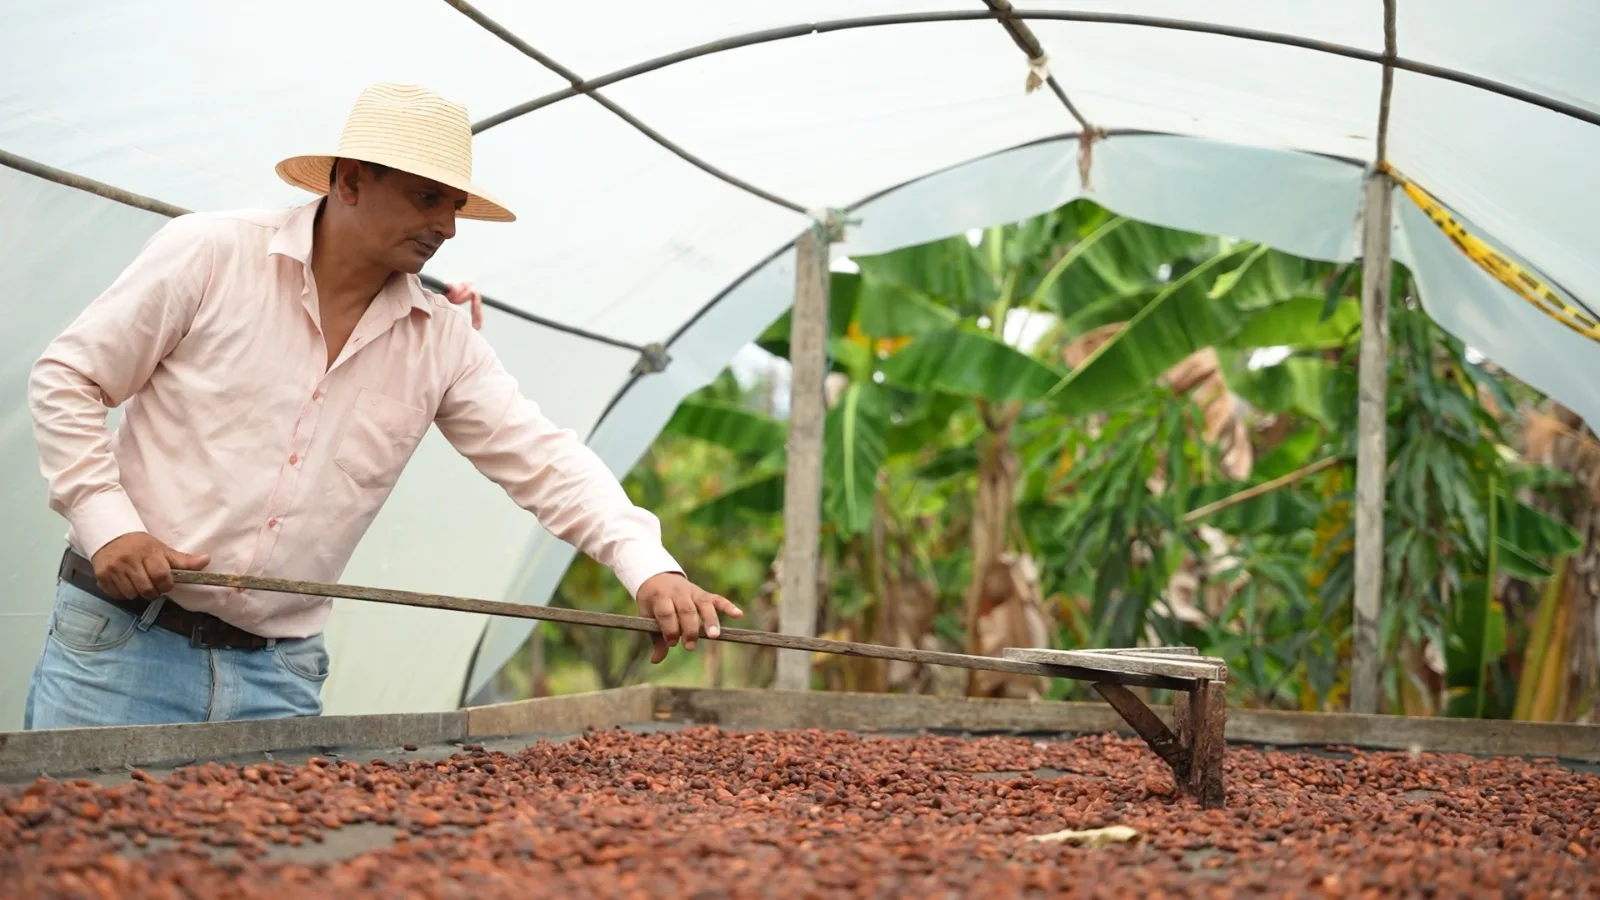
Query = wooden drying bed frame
x=1192 y=746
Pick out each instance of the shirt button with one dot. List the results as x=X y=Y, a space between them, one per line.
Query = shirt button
x=316 y=395
x=294 y=459
x=272 y=523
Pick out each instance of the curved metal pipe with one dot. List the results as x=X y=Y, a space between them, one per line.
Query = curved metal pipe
x=505 y=34
x=172 y=211
x=1251 y=34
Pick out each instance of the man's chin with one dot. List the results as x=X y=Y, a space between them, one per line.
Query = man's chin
x=410 y=263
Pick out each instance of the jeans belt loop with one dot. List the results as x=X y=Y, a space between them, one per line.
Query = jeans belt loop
x=148 y=617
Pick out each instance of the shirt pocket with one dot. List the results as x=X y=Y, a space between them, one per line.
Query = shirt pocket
x=379 y=437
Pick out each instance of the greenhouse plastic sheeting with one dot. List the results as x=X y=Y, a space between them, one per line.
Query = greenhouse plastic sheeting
x=923 y=128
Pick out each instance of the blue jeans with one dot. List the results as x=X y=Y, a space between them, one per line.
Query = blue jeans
x=102 y=665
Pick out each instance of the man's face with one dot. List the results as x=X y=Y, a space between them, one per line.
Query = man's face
x=403 y=218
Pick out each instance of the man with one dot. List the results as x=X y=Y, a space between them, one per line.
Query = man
x=279 y=368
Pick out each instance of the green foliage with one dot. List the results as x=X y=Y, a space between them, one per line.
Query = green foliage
x=1112 y=465
x=854 y=450
x=739 y=429
x=1298 y=385
x=1117 y=259
x=894 y=310
x=1113 y=528
x=968 y=363
x=1450 y=530
x=1299 y=323
x=1190 y=312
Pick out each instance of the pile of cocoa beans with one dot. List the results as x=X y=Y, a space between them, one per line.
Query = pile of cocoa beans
x=706 y=813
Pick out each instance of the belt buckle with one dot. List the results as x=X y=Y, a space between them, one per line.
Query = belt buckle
x=197 y=639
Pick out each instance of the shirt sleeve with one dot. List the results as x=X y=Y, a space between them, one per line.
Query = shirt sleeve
x=546 y=469
x=102 y=359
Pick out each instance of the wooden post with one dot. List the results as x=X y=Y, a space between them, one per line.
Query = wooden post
x=802 y=488
x=1371 y=453
x=1207 y=721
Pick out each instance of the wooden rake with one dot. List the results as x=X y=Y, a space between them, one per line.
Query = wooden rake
x=1192 y=746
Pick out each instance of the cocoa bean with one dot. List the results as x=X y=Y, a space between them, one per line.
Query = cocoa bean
x=707 y=813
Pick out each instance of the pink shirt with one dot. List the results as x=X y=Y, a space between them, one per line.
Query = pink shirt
x=239 y=441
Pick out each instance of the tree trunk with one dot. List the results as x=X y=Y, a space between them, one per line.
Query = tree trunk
x=1003 y=603
x=1581 y=691
x=994 y=501
x=1569 y=692
x=876 y=671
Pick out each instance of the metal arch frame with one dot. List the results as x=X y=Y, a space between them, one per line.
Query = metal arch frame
x=884 y=192
x=787 y=32
x=505 y=34
x=653 y=356
x=648 y=353
x=1029 y=44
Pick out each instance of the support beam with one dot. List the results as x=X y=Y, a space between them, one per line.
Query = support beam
x=1371 y=449
x=802 y=487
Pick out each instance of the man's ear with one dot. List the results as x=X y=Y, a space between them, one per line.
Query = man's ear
x=347 y=174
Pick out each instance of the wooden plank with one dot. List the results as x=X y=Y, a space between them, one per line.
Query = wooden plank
x=569 y=713
x=1371 y=454
x=749 y=708
x=1217 y=662
x=1146 y=651
x=1128 y=662
x=802 y=485
x=1478 y=737
x=25 y=754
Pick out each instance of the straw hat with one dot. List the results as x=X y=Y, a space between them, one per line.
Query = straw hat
x=409 y=128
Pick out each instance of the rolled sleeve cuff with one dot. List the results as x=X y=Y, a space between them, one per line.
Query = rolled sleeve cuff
x=640 y=563
x=103 y=518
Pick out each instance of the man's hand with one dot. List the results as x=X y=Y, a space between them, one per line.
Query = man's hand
x=138 y=565
x=466 y=293
x=680 y=607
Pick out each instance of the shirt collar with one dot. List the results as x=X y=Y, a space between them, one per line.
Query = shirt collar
x=293 y=240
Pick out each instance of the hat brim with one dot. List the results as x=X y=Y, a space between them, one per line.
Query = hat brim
x=311 y=173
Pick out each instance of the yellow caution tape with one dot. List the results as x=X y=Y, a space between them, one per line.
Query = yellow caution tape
x=1524 y=283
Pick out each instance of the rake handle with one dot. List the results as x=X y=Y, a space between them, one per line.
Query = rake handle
x=642 y=624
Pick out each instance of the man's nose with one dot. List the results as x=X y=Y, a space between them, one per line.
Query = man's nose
x=444 y=224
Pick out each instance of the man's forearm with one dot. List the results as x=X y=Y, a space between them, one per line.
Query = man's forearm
x=551 y=473
x=69 y=427
x=599 y=519
x=548 y=470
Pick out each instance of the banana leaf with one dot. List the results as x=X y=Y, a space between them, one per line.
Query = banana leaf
x=1298 y=323
x=854 y=450
x=759 y=495
x=968 y=363
x=743 y=431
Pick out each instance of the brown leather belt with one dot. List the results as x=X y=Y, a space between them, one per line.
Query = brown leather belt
x=202 y=629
